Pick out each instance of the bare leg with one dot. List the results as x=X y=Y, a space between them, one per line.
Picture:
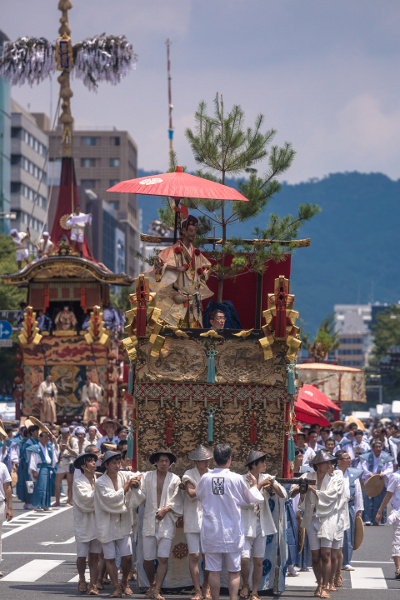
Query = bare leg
x=150 y=571
x=233 y=584
x=161 y=571
x=214 y=579
x=112 y=571
x=316 y=565
x=396 y=561
x=126 y=564
x=326 y=565
x=93 y=567
x=194 y=570
x=81 y=566
x=57 y=487
x=205 y=578
x=19 y=265
x=334 y=564
x=70 y=482
x=257 y=574
x=245 y=572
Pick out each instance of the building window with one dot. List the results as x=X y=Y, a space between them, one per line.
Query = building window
x=88 y=184
x=115 y=205
x=89 y=141
x=351 y=340
x=88 y=162
x=113 y=182
x=15 y=187
x=114 y=162
x=115 y=141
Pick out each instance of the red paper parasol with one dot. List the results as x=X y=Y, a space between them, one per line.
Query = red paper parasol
x=315 y=398
x=178 y=185
x=306 y=414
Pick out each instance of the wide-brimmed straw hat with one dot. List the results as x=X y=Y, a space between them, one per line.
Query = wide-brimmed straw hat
x=253 y=456
x=108 y=456
x=200 y=453
x=321 y=457
x=374 y=486
x=39 y=424
x=358 y=532
x=108 y=421
x=79 y=459
x=155 y=456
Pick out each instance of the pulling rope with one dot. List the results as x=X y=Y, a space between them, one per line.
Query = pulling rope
x=45 y=361
x=97 y=370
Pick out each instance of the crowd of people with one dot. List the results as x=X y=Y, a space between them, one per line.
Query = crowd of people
x=227 y=516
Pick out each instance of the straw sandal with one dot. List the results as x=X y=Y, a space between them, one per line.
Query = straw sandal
x=197 y=595
x=93 y=591
x=82 y=586
x=126 y=588
x=325 y=592
x=157 y=594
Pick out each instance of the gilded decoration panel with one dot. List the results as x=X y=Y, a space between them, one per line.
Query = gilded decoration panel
x=246 y=417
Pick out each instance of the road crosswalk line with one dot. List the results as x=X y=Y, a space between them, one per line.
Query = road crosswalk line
x=76 y=578
x=364 y=578
x=32 y=571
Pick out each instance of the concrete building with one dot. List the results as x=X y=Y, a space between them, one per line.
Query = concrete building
x=29 y=145
x=352 y=323
x=5 y=147
x=102 y=159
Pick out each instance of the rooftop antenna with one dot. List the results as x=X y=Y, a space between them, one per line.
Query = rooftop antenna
x=170 y=107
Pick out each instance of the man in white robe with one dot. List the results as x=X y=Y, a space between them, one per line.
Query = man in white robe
x=91 y=398
x=193 y=516
x=88 y=546
x=160 y=489
x=322 y=504
x=258 y=523
x=113 y=519
x=222 y=494
x=77 y=221
x=47 y=394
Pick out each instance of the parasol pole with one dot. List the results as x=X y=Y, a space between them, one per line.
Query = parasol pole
x=170 y=105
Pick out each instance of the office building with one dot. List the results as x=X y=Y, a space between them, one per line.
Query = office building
x=29 y=145
x=5 y=147
x=102 y=159
x=352 y=323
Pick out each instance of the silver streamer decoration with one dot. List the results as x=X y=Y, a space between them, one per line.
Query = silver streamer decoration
x=103 y=58
x=27 y=60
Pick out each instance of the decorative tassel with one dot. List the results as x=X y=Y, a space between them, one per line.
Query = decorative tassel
x=211 y=353
x=130 y=439
x=253 y=429
x=290 y=448
x=210 y=428
x=130 y=379
x=290 y=386
x=169 y=423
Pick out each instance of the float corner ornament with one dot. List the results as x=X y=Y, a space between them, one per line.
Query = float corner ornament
x=143 y=320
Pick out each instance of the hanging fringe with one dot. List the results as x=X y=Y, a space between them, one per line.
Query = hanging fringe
x=27 y=60
x=130 y=440
x=130 y=379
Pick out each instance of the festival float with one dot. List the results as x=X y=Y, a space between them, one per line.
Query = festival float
x=186 y=385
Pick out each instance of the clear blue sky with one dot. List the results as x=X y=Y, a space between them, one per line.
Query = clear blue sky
x=325 y=73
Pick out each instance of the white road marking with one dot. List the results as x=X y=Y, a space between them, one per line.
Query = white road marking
x=304 y=579
x=373 y=562
x=368 y=579
x=76 y=578
x=32 y=571
x=70 y=541
x=40 y=517
x=44 y=553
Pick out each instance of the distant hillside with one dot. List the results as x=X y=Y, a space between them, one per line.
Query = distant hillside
x=353 y=256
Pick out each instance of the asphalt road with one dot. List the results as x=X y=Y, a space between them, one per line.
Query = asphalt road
x=39 y=562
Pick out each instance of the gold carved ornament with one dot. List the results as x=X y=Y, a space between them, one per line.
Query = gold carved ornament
x=96 y=331
x=30 y=331
x=143 y=320
x=280 y=319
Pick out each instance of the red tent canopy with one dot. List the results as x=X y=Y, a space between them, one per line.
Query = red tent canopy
x=315 y=398
x=307 y=414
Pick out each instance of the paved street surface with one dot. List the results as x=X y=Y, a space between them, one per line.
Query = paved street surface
x=39 y=562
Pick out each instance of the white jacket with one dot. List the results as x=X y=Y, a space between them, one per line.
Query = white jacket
x=250 y=516
x=113 y=519
x=171 y=496
x=192 y=509
x=83 y=508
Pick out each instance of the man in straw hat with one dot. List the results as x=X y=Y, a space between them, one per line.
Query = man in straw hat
x=257 y=523
x=322 y=505
x=88 y=547
x=5 y=496
x=393 y=496
x=355 y=502
x=47 y=395
x=160 y=489
x=113 y=519
x=193 y=516
x=222 y=493
x=42 y=465
x=107 y=429
x=376 y=462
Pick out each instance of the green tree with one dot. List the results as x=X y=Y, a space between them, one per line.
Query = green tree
x=387 y=334
x=223 y=146
x=10 y=296
x=325 y=342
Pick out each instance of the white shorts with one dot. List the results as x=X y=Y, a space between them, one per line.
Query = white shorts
x=254 y=547
x=193 y=542
x=154 y=548
x=214 y=561
x=124 y=547
x=77 y=237
x=22 y=254
x=62 y=469
x=319 y=542
x=84 y=548
x=396 y=538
